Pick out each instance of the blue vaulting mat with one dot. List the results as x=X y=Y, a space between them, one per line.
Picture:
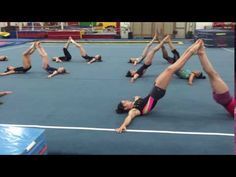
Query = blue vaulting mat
x=22 y=141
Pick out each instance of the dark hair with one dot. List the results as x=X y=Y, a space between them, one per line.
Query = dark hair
x=130 y=61
x=63 y=72
x=120 y=109
x=99 y=58
x=5 y=58
x=128 y=74
x=66 y=72
x=7 y=69
x=201 y=76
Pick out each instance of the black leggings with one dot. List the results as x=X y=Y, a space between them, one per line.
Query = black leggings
x=173 y=59
x=157 y=93
x=50 y=69
x=142 y=69
x=67 y=56
x=88 y=58
x=21 y=70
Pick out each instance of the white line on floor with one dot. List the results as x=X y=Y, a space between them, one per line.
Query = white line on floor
x=228 y=50
x=129 y=130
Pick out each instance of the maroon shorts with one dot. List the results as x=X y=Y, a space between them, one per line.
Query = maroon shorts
x=226 y=100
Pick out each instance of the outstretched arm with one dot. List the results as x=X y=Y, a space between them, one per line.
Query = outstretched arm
x=131 y=115
x=134 y=78
x=7 y=73
x=3 y=93
x=190 y=79
x=91 y=61
x=53 y=74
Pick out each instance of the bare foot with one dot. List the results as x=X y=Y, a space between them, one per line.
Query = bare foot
x=32 y=46
x=201 y=50
x=155 y=36
x=37 y=44
x=70 y=39
x=196 y=47
x=167 y=38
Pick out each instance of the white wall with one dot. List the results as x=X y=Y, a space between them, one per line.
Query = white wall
x=180 y=28
x=190 y=26
x=2 y=24
x=202 y=25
